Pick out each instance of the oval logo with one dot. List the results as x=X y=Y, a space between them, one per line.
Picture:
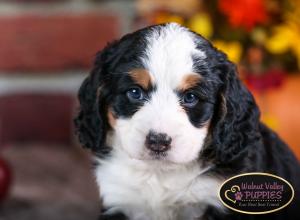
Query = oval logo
x=256 y=193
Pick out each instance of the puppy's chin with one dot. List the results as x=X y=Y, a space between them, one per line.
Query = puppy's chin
x=164 y=160
x=158 y=158
x=161 y=164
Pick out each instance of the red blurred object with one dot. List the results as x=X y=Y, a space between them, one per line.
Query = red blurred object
x=5 y=179
x=244 y=13
x=270 y=79
x=49 y=117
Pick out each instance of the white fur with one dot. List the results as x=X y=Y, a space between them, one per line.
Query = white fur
x=168 y=58
x=146 y=191
x=169 y=54
x=172 y=188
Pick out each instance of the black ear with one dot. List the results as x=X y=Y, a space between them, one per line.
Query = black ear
x=95 y=95
x=235 y=126
x=91 y=122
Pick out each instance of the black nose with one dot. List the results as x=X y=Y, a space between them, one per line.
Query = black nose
x=158 y=142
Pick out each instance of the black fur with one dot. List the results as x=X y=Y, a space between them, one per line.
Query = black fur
x=114 y=216
x=105 y=87
x=237 y=142
x=203 y=110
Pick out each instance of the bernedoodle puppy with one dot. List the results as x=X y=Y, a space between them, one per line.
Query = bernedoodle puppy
x=169 y=121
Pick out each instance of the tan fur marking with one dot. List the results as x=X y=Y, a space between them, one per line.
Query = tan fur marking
x=111 y=118
x=141 y=77
x=189 y=81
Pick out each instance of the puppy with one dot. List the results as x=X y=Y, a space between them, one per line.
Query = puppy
x=169 y=121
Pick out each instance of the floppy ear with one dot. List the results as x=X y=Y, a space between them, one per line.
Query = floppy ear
x=91 y=122
x=95 y=95
x=235 y=126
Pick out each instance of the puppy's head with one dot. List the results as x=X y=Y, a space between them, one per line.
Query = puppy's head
x=163 y=93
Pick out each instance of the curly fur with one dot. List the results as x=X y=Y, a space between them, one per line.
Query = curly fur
x=236 y=141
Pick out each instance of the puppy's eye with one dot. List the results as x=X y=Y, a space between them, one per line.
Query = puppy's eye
x=189 y=99
x=135 y=93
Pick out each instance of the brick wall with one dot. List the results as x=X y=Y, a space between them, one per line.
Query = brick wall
x=46 y=50
x=40 y=43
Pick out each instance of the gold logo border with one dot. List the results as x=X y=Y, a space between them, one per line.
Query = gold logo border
x=262 y=174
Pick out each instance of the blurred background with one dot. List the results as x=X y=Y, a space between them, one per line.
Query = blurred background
x=47 y=48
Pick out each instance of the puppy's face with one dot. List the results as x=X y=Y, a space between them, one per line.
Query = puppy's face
x=165 y=120
x=161 y=97
x=164 y=93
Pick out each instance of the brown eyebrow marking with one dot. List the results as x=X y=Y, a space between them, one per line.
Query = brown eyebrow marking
x=189 y=81
x=111 y=117
x=141 y=77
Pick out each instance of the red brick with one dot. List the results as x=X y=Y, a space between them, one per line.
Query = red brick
x=36 y=118
x=53 y=42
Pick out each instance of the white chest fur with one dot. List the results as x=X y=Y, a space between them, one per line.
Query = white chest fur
x=152 y=192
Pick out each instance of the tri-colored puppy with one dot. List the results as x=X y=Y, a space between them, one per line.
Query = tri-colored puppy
x=169 y=121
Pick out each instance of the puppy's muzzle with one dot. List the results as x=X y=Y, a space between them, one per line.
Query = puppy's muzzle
x=158 y=142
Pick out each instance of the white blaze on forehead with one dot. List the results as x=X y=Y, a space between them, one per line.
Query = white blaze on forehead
x=169 y=52
x=168 y=59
